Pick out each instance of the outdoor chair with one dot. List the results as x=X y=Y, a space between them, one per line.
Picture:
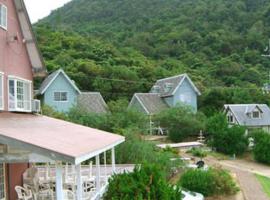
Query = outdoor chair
x=30 y=177
x=23 y=193
x=69 y=195
x=89 y=177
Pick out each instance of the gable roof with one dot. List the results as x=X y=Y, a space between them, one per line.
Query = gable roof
x=92 y=102
x=240 y=111
x=36 y=60
x=151 y=102
x=175 y=82
x=49 y=80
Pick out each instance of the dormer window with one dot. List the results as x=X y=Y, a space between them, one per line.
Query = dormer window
x=19 y=95
x=168 y=87
x=156 y=89
x=1 y=91
x=3 y=16
x=256 y=114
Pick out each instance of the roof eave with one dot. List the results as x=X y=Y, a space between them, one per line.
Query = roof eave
x=38 y=70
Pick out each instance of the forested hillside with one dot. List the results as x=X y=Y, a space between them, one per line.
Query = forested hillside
x=122 y=46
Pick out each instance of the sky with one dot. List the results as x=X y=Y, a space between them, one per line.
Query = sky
x=37 y=9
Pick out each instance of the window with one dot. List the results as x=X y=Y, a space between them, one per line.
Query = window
x=256 y=114
x=60 y=96
x=2 y=182
x=3 y=16
x=1 y=91
x=19 y=95
x=230 y=118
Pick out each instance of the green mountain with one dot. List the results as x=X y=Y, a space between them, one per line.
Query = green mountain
x=122 y=46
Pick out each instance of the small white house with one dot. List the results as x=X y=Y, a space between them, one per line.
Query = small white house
x=253 y=116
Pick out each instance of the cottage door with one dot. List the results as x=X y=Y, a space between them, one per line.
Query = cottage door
x=2 y=182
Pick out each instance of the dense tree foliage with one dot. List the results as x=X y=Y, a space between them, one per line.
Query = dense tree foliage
x=261 y=146
x=181 y=122
x=225 y=139
x=219 y=43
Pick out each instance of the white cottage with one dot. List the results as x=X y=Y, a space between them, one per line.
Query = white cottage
x=253 y=116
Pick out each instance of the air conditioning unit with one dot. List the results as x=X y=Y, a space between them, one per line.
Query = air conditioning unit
x=36 y=106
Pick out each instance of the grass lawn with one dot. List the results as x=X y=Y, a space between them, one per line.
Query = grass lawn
x=265 y=182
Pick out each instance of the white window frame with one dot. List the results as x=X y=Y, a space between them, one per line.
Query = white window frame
x=60 y=96
x=259 y=114
x=16 y=108
x=2 y=91
x=230 y=118
x=4 y=178
x=2 y=6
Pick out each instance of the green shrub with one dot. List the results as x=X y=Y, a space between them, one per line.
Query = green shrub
x=146 y=182
x=225 y=139
x=135 y=150
x=210 y=182
x=198 y=152
x=261 y=148
x=49 y=111
x=181 y=122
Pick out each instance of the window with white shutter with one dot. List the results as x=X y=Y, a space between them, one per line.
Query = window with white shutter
x=3 y=16
x=19 y=95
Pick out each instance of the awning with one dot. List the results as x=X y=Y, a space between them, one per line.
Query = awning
x=55 y=139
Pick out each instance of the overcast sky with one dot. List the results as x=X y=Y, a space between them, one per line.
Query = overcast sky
x=37 y=9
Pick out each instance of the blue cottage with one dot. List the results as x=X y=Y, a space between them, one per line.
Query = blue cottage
x=59 y=91
x=165 y=93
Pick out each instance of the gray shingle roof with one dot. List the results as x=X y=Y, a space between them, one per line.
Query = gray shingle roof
x=240 y=111
x=167 y=86
x=92 y=102
x=152 y=102
x=46 y=83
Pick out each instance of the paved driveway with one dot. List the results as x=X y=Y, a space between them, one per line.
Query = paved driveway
x=244 y=171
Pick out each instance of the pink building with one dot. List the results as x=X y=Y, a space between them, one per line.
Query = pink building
x=26 y=137
x=19 y=62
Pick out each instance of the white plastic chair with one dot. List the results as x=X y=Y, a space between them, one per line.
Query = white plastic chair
x=69 y=195
x=23 y=193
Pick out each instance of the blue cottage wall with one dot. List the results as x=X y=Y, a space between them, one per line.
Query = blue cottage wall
x=60 y=84
x=184 y=94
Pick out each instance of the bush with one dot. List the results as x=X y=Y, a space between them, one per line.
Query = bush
x=93 y=120
x=261 y=148
x=225 y=139
x=49 y=111
x=198 y=152
x=214 y=181
x=146 y=182
x=181 y=122
x=135 y=150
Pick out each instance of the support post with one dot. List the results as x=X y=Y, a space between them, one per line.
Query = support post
x=79 y=182
x=105 y=166
x=113 y=160
x=59 y=181
x=150 y=124
x=98 y=173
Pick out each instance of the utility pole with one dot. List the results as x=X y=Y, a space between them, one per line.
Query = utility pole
x=266 y=86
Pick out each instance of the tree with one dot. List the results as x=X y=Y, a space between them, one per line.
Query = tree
x=262 y=143
x=146 y=182
x=225 y=139
x=181 y=122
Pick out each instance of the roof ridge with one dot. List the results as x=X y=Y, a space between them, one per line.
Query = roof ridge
x=163 y=79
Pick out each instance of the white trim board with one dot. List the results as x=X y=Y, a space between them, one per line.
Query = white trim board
x=66 y=76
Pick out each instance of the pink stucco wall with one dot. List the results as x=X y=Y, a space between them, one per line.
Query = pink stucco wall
x=13 y=55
